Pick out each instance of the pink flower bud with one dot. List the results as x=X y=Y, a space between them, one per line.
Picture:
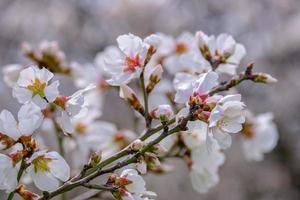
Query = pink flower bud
x=162 y=112
x=129 y=95
x=154 y=76
x=137 y=144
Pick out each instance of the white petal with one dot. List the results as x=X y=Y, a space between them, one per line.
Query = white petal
x=22 y=94
x=58 y=166
x=65 y=122
x=224 y=139
x=30 y=118
x=44 y=181
x=51 y=91
x=9 y=125
x=39 y=101
x=44 y=75
x=27 y=76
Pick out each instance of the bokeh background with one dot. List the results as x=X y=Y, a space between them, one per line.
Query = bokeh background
x=269 y=29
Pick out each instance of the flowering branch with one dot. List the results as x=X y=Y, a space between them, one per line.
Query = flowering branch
x=195 y=63
x=247 y=75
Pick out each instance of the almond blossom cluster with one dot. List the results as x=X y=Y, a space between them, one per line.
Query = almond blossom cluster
x=183 y=108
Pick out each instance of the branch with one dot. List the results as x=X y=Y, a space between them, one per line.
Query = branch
x=247 y=75
x=71 y=185
x=145 y=97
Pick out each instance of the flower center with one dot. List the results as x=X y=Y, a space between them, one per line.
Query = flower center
x=37 y=88
x=41 y=164
x=80 y=128
x=61 y=101
x=247 y=130
x=181 y=48
x=131 y=63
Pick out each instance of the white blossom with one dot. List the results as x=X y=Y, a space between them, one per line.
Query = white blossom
x=205 y=163
x=134 y=187
x=47 y=169
x=226 y=117
x=30 y=118
x=222 y=49
x=34 y=86
x=127 y=64
x=8 y=173
x=186 y=85
x=260 y=137
x=70 y=107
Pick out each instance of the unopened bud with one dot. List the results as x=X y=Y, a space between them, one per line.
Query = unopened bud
x=201 y=41
x=264 y=78
x=26 y=194
x=162 y=112
x=154 y=77
x=159 y=150
x=152 y=161
x=95 y=159
x=141 y=165
x=137 y=145
x=129 y=95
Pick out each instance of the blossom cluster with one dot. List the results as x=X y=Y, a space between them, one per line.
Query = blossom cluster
x=175 y=87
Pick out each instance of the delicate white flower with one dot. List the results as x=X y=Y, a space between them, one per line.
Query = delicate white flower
x=8 y=173
x=226 y=117
x=47 y=169
x=133 y=186
x=260 y=136
x=70 y=107
x=205 y=164
x=126 y=65
x=222 y=50
x=187 y=85
x=162 y=112
x=170 y=50
x=30 y=118
x=11 y=74
x=33 y=86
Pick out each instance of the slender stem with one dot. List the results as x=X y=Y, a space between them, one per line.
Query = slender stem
x=145 y=97
x=59 y=136
x=99 y=187
x=20 y=173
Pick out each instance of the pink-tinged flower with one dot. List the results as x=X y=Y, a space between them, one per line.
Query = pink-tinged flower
x=8 y=173
x=132 y=186
x=187 y=85
x=260 y=136
x=47 y=169
x=223 y=53
x=225 y=118
x=33 y=86
x=127 y=64
x=30 y=118
x=11 y=74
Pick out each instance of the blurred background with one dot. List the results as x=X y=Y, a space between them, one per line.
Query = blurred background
x=269 y=29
